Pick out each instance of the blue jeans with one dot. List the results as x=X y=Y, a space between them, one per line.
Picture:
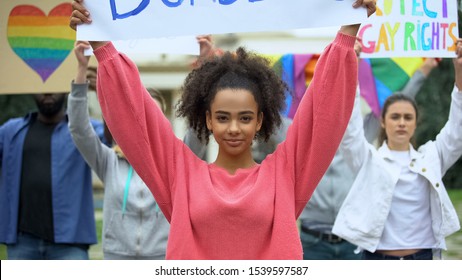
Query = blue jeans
x=29 y=247
x=314 y=248
x=424 y=254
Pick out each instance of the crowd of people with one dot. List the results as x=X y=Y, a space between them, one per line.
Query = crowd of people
x=313 y=187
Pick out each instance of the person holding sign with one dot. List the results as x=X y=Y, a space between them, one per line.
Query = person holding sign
x=232 y=208
x=398 y=207
x=318 y=217
x=133 y=226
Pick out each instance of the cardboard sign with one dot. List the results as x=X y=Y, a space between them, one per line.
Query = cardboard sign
x=35 y=47
x=411 y=28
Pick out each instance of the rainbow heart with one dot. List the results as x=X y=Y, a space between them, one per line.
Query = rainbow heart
x=42 y=42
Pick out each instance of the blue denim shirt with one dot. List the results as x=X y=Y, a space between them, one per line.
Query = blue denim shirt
x=73 y=213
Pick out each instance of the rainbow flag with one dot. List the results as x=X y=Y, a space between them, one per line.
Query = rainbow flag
x=296 y=70
x=378 y=77
x=42 y=42
x=381 y=77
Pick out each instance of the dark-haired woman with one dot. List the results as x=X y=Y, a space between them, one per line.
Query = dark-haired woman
x=233 y=208
x=398 y=207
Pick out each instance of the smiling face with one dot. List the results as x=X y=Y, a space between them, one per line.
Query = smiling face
x=234 y=120
x=399 y=122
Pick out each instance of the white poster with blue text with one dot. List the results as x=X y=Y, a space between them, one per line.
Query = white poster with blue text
x=136 y=19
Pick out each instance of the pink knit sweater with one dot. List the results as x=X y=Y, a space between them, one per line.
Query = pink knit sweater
x=214 y=215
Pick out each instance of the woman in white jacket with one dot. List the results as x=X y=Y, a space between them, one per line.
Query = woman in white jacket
x=133 y=225
x=398 y=207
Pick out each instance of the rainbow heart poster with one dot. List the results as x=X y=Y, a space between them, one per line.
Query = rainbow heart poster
x=35 y=46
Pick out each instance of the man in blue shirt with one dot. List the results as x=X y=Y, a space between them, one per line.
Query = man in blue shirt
x=46 y=201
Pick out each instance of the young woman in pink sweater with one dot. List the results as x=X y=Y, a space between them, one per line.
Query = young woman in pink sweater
x=232 y=208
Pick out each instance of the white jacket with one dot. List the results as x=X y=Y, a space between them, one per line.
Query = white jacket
x=362 y=217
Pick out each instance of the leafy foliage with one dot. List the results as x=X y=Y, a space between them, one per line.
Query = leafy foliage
x=13 y=106
x=434 y=100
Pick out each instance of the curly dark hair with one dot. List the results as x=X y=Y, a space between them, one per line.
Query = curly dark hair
x=239 y=70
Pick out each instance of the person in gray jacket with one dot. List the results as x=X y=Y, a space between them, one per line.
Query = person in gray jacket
x=318 y=217
x=133 y=225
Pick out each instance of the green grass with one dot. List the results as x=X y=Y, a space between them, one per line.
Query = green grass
x=456 y=196
x=2 y=252
x=454 y=242
x=96 y=252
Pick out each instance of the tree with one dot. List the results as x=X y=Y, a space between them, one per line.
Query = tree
x=13 y=106
x=434 y=100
